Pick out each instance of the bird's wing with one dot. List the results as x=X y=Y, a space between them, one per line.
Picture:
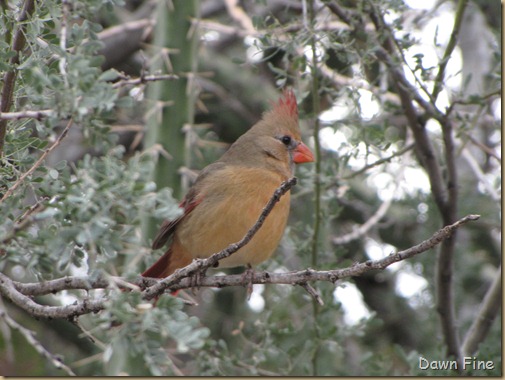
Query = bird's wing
x=168 y=226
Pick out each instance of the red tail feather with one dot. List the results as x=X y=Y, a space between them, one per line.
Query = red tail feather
x=158 y=269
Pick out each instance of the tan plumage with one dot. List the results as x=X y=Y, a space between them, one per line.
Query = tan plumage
x=229 y=195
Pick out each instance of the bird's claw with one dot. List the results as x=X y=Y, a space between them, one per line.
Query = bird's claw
x=196 y=280
x=248 y=276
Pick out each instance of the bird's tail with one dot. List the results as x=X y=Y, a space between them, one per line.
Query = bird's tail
x=159 y=268
x=168 y=263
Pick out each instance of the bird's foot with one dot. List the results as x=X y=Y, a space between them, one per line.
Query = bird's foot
x=196 y=280
x=248 y=276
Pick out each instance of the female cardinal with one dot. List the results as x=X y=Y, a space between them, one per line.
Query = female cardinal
x=229 y=195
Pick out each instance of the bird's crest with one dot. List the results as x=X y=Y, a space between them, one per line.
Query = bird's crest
x=286 y=105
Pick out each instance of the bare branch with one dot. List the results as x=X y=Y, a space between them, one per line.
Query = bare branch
x=65 y=283
x=308 y=275
x=474 y=165
x=8 y=290
x=21 y=294
x=445 y=260
x=379 y=161
x=488 y=150
x=9 y=77
x=127 y=81
x=65 y=10
x=484 y=319
x=237 y=13
x=356 y=82
x=458 y=20
x=365 y=227
x=30 y=337
x=26 y=114
x=313 y=293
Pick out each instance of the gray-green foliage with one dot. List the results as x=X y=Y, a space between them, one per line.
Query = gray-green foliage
x=84 y=215
x=89 y=211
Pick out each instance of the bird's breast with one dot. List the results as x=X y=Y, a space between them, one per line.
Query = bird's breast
x=231 y=205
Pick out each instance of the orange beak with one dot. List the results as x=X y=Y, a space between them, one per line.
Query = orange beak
x=302 y=154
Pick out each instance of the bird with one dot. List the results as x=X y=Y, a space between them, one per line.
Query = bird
x=229 y=195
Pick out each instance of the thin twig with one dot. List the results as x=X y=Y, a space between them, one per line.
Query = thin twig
x=489 y=151
x=473 y=100
x=380 y=161
x=41 y=159
x=62 y=64
x=30 y=338
x=360 y=231
x=26 y=114
x=127 y=81
x=26 y=220
x=237 y=13
x=357 y=82
x=313 y=293
x=474 y=165
x=458 y=20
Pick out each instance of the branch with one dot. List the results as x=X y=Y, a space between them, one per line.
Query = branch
x=345 y=15
x=445 y=260
x=484 y=319
x=26 y=114
x=458 y=20
x=9 y=77
x=65 y=10
x=379 y=161
x=121 y=41
x=11 y=189
x=487 y=150
x=309 y=275
x=30 y=337
x=365 y=227
x=357 y=82
x=8 y=290
x=474 y=165
x=237 y=13
x=27 y=218
x=21 y=294
x=127 y=81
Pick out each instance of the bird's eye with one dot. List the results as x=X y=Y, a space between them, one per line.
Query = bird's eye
x=286 y=140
